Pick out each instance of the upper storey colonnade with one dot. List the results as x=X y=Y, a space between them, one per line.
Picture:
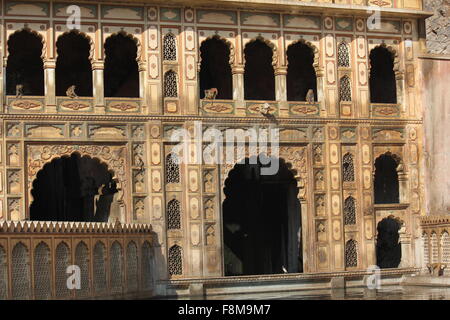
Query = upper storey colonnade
x=160 y=60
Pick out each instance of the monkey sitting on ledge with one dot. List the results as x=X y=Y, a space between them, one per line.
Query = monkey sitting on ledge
x=436 y=269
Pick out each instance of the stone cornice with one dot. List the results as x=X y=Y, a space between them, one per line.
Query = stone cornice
x=206 y=119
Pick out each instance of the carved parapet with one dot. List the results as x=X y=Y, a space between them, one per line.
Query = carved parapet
x=17 y=227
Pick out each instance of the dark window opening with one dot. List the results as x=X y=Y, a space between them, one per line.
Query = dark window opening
x=386 y=180
x=215 y=69
x=259 y=76
x=25 y=66
x=301 y=75
x=382 y=77
x=121 y=73
x=73 y=66
x=73 y=188
x=262 y=224
x=389 y=250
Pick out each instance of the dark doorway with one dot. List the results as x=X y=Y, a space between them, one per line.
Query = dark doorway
x=121 y=75
x=389 y=250
x=301 y=75
x=261 y=221
x=386 y=180
x=73 y=66
x=73 y=188
x=382 y=77
x=25 y=66
x=259 y=76
x=215 y=69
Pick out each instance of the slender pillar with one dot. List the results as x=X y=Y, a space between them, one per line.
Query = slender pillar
x=98 y=87
x=405 y=242
x=280 y=84
x=50 y=84
x=238 y=83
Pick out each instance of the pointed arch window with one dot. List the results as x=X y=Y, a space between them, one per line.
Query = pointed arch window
x=215 y=69
x=386 y=183
x=25 y=66
x=173 y=215
x=121 y=74
x=170 y=84
x=351 y=254
x=169 y=47
x=259 y=75
x=343 y=54
x=445 y=245
x=20 y=273
x=175 y=260
x=426 y=249
x=348 y=168
x=382 y=82
x=3 y=275
x=345 y=89
x=116 y=267
x=350 y=211
x=61 y=263
x=42 y=272
x=301 y=75
x=82 y=260
x=172 y=168
x=73 y=66
x=99 y=267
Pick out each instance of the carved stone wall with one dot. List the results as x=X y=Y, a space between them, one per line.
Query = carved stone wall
x=438 y=26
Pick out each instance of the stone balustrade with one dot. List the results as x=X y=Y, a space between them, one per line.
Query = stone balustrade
x=114 y=260
x=436 y=239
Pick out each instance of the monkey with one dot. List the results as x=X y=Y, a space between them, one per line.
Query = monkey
x=70 y=92
x=310 y=96
x=19 y=91
x=211 y=93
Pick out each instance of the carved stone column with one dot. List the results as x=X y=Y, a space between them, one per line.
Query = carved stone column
x=320 y=74
x=238 y=83
x=405 y=242
x=98 y=85
x=280 y=84
x=142 y=82
x=50 y=84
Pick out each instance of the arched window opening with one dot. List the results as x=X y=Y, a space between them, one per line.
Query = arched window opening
x=445 y=247
x=3 y=275
x=62 y=261
x=73 y=188
x=116 y=267
x=351 y=254
x=345 y=89
x=426 y=249
x=82 y=260
x=172 y=168
x=301 y=75
x=350 y=211
x=259 y=76
x=434 y=248
x=173 y=215
x=348 y=168
x=20 y=273
x=343 y=55
x=42 y=272
x=175 y=260
x=73 y=67
x=215 y=69
x=388 y=248
x=121 y=74
x=382 y=81
x=386 y=182
x=25 y=68
x=170 y=84
x=147 y=265
x=252 y=199
x=169 y=47
x=132 y=267
x=100 y=268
